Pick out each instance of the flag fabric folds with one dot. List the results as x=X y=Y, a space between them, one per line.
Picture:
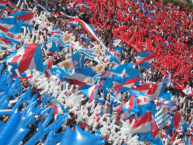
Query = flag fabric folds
x=144 y=59
x=27 y=57
x=91 y=92
x=142 y=126
x=3 y=4
x=116 y=57
x=162 y=117
x=178 y=122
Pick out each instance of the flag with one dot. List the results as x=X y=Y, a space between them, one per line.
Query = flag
x=144 y=59
x=91 y=53
x=54 y=46
x=49 y=65
x=91 y=92
x=152 y=11
x=127 y=84
x=32 y=58
x=116 y=42
x=56 y=29
x=25 y=75
x=70 y=8
x=178 y=121
x=167 y=79
x=116 y=57
x=90 y=30
x=27 y=57
x=130 y=72
x=105 y=75
x=167 y=96
x=56 y=70
x=99 y=68
x=85 y=5
x=82 y=76
x=67 y=64
x=74 y=22
x=3 y=4
x=153 y=136
x=119 y=108
x=26 y=16
x=131 y=106
x=142 y=126
x=62 y=40
x=143 y=101
x=12 y=48
x=191 y=130
x=168 y=103
x=142 y=88
x=162 y=117
x=5 y=25
x=4 y=41
x=13 y=57
x=167 y=42
x=59 y=109
x=157 y=89
x=188 y=90
x=14 y=34
x=127 y=67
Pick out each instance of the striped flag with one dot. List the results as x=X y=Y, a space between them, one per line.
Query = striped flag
x=91 y=92
x=62 y=40
x=26 y=16
x=27 y=57
x=144 y=59
x=56 y=29
x=142 y=126
x=162 y=117
x=3 y=4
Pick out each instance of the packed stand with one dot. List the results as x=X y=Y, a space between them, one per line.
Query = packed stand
x=136 y=26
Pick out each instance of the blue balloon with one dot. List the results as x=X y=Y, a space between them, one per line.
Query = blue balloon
x=33 y=98
x=13 y=89
x=1 y=125
x=80 y=137
x=1 y=67
x=67 y=137
x=52 y=138
x=23 y=75
x=45 y=110
x=20 y=134
x=42 y=131
x=6 y=111
x=10 y=128
x=19 y=102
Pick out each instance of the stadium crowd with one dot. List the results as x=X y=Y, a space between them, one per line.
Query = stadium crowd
x=148 y=27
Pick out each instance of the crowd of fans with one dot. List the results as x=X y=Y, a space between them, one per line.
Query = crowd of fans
x=166 y=30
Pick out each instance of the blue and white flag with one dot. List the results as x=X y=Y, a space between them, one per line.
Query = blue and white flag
x=116 y=57
x=90 y=53
x=167 y=79
x=116 y=42
x=143 y=102
x=14 y=34
x=56 y=29
x=62 y=41
x=26 y=16
x=162 y=117
x=167 y=42
x=55 y=47
x=144 y=59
